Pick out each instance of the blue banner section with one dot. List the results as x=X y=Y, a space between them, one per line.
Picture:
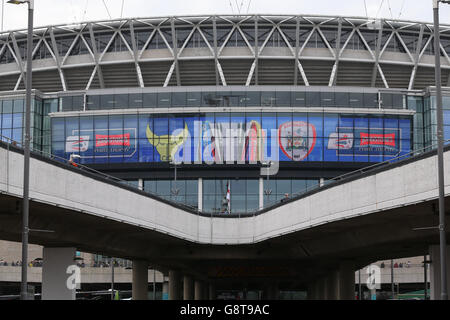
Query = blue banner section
x=232 y=138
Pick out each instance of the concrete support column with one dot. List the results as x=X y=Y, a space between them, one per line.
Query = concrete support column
x=346 y=289
x=60 y=274
x=200 y=194
x=272 y=291
x=435 y=271
x=322 y=289
x=174 y=285
x=333 y=286
x=141 y=184
x=198 y=290
x=317 y=289
x=312 y=291
x=212 y=292
x=165 y=288
x=140 y=280
x=188 y=288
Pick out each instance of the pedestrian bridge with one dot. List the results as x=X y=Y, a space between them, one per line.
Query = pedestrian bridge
x=59 y=185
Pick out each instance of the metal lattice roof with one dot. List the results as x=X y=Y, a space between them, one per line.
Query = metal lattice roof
x=226 y=50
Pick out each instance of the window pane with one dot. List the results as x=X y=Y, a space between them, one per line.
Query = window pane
x=342 y=99
x=121 y=101
x=66 y=103
x=283 y=99
x=179 y=99
x=194 y=99
x=268 y=99
x=356 y=100
x=371 y=100
x=312 y=99
x=149 y=100
x=107 y=101
x=135 y=100
x=253 y=98
x=78 y=103
x=298 y=99
x=93 y=102
x=327 y=99
x=18 y=106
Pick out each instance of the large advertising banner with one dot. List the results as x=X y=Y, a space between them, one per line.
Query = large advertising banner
x=221 y=138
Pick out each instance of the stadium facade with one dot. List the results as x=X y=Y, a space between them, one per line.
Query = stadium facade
x=219 y=96
x=194 y=108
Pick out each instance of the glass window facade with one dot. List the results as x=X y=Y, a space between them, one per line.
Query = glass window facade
x=235 y=99
x=276 y=190
x=181 y=191
x=306 y=136
x=243 y=195
x=430 y=120
x=12 y=122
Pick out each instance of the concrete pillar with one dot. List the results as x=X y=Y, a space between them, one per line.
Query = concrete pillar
x=312 y=291
x=174 y=285
x=212 y=292
x=333 y=285
x=60 y=275
x=188 y=288
x=272 y=291
x=346 y=289
x=165 y=288
x=435 y=272
x=141 y=184
x=198 y=290
x=322 y=289
x=140 y=280
x=205 y=293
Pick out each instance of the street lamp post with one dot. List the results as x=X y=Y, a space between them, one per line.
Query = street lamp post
x=26 y=147
x=440 y=136
x=112 y=278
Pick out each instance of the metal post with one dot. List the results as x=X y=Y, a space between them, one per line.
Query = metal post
x=154 y=283
x=425 y=282
x=26 y=170
x=392 y=279
x=3 y=12
x=359 y=283
x=112 y=279
x=440 y=136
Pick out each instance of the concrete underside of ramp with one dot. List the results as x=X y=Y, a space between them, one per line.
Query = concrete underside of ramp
x=296 y=258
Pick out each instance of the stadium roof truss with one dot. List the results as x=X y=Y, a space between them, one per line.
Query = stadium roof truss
x=293 y=36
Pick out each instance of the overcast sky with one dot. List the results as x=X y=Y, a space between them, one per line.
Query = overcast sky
x=67 y=11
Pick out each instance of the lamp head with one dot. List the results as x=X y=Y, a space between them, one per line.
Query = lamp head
x=16 y=2
x=30 y=2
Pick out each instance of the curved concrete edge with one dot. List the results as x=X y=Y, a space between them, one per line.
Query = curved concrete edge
x=401 y=185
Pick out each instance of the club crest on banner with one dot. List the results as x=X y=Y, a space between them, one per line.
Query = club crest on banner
x=297 y=139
